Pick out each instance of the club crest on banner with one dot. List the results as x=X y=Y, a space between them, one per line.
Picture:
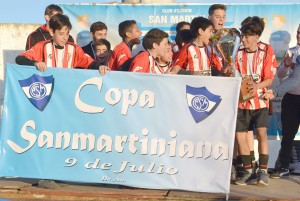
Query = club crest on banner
x=201 y=102
x=38 y=90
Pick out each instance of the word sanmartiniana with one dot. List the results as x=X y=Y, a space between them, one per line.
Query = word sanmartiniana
x=131 y=143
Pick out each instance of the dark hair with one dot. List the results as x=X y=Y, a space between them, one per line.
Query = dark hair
x=200 y=22
x=153 y=36
x=53 y=8
x=97 y=26
x=58 y=21
x=125 y=26
x=181 y=24
x=214 y=7
x=103 y=42
x=183 y=36
x=254 y=18
x=252 y=26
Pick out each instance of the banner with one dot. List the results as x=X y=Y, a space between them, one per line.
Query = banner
x=281 y=21
x=133 y=129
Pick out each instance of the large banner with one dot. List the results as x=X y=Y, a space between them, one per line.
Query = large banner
x=282 y=21
x=134 y=129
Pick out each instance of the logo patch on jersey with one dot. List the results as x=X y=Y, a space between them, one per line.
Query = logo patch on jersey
x=38 y=90
x=201 y=102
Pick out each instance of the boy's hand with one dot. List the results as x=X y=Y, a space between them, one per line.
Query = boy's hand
x=103 y=70
x=41 y=66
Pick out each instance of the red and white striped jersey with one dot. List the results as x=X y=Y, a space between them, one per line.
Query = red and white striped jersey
x=70 y=56
x=257 y=63
x=193 y=57
x=145 y=63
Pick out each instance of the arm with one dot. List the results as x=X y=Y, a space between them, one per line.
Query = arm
x=292 y=81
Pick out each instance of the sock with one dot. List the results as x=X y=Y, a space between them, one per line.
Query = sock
x=263 y=161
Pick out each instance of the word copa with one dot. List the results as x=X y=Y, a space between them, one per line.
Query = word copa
x=113 y=96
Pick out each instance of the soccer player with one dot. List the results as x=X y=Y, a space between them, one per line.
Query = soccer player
x=98 y=30
x=42 y=33
x=57 y=52
x=194 y=56
x=121 y=56
x=102 y=51
x=253 y=61
x=156 y=45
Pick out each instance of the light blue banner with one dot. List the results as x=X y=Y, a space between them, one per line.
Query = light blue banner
x=134 y=129
x=282 y=21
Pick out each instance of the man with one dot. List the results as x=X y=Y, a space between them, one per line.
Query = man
x=290 y=106
x=98 y=30
x=42 y=33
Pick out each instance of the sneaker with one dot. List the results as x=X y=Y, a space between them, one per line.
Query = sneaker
x=239 y=171
x=254 y=166
x=263 y=177
x=247 y=178
x=281 y=172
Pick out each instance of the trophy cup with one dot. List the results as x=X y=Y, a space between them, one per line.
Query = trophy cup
x=226 y=43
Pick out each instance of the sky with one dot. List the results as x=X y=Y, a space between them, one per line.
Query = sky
x=32 y=11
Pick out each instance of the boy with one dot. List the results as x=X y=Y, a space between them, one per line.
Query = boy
x=121 y=55
x=98 y=30
x=102 y=51
x=194 y=56
x=268 y=48
x=57 y=52
x=42 y=33
x=253 y=61
x=217 y=14
x=156 y=44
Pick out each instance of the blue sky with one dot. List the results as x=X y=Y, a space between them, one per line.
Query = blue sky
x=32 y=11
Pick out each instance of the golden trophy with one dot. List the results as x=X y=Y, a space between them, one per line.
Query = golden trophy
x=226 y=43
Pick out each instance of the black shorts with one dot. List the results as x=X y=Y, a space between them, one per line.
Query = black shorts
x=247 y=119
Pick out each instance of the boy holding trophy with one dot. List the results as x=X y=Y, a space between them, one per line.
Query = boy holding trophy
x=256 y=63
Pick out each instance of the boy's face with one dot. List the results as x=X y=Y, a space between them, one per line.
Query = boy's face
x=218 y=18
x=250 y=41
x=60 y=37
x=135 y=34
x=100 y=49
x=100 y=34
x=206 y=35
x=168 y=55
x=162 y=47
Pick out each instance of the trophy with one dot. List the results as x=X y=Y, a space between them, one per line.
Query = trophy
x=226 y=43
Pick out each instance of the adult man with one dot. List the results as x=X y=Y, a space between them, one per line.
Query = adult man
x=98 y=30
x=290 y=106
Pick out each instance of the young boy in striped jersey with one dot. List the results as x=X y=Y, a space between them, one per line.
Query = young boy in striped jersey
x=253 y=61
x=194 y=56
x=58 y=52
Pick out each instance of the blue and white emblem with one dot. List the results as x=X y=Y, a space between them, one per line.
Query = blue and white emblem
x=201 y=102
x=38 y=90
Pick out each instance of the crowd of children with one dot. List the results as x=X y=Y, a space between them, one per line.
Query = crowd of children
x=193 y=54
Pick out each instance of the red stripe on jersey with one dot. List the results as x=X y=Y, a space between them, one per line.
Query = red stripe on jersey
x=260 y=63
